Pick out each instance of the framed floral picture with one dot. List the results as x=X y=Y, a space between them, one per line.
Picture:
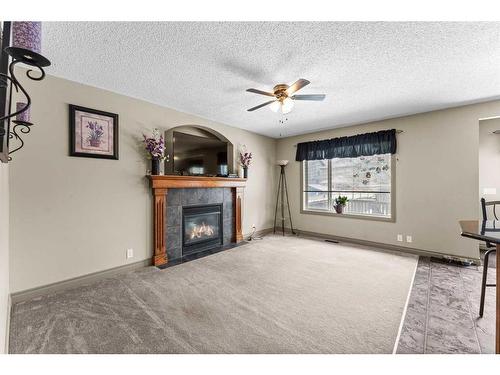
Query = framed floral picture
x=93 y=133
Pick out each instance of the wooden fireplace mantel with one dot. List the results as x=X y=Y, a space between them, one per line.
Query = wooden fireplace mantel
x=168 y=182
x=160 y=186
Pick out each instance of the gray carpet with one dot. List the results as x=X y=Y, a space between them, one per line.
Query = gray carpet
x=278 y=295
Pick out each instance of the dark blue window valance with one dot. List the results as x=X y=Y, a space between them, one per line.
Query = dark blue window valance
x=377 y=143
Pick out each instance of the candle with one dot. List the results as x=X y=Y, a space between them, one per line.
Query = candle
x=27 y=35
x=23 y=116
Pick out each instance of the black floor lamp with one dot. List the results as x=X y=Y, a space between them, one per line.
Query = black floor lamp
x=282 y=193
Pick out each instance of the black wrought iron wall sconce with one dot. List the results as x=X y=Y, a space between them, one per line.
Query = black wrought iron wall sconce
x=24 y=49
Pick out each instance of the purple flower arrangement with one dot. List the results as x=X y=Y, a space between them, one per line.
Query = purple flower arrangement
x=155 y=145
x=245 y=159
x=96 y=132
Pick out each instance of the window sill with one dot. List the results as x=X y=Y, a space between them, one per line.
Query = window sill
x=349 y=216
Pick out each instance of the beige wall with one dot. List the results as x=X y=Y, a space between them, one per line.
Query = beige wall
x=73 y=216
x=4 y=254
x=489 y=159
x=436 y=181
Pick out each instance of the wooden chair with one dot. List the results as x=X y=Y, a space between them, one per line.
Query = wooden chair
x=490 y=250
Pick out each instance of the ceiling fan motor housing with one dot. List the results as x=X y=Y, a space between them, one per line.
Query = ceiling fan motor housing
x=280 y=91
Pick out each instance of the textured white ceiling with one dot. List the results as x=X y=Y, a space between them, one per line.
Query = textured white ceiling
x=369 y=71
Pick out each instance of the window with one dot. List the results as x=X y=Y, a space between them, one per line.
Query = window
x=366 y=181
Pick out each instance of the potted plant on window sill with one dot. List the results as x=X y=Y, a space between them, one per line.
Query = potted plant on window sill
x=340 y=203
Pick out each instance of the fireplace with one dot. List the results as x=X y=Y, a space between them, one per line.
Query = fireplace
x=202 y=228
x=173 y=193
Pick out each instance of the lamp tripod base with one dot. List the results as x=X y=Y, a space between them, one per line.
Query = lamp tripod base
x=280 y=198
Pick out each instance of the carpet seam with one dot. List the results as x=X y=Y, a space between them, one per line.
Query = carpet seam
x=429 y=278
x=405 y=309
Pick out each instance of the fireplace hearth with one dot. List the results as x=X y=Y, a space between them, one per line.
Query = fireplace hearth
x=202 y=228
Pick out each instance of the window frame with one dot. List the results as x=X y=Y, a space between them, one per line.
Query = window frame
x=304 y=210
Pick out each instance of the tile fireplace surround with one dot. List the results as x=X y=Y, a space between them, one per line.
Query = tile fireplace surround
x=171 y=193
x=199 y=197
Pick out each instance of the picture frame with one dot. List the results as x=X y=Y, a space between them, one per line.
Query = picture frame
x=93 y=133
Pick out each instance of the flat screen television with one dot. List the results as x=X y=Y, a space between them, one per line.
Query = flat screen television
x=196 y=155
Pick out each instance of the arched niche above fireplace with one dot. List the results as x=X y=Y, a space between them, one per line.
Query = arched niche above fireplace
x=215 y=150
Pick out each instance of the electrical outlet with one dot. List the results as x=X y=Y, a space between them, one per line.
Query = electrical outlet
x=400 y=237
x=130 y=253
x=408 y=239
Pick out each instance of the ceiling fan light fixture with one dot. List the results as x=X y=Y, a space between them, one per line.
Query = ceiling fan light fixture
x=275 y=106
x=286 y=105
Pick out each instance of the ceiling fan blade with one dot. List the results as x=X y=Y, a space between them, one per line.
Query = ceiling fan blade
x=255 y=91
x=297 y=86
x=315 y=97
x=260 y=105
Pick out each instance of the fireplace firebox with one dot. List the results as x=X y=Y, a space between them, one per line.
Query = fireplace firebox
x=201 y=228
